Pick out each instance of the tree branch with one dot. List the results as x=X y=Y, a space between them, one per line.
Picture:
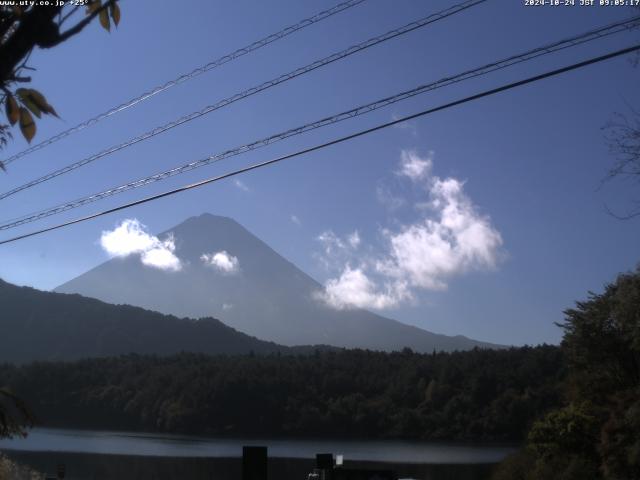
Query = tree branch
x=37 y=27
x=628 y=216
x=82 y=24
x=64 y=19
x=6 y=25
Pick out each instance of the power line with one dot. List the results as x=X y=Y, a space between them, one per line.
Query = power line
x=252 y=91
x=256 y=166
x=345 y=115
x=318 y=17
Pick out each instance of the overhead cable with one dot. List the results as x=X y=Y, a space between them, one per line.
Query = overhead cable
x=188 y=76
x=336 y=141
x=251 y=91
x=345 y=115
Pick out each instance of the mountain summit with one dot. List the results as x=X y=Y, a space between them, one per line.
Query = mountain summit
x=228 y=273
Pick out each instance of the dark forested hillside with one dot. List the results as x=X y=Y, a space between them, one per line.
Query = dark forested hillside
x=36 y=325
x=595 y=433
x=475 y=395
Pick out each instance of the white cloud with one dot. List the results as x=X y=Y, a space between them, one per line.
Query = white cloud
x=331 y=242
x=227 y=306
x=296 y=220
x=162 y=256
x=449 y=238
x=131 y=237
x=336 y=250
x=455 y=240
x=241 y=185
x=335 y=246
x=355 y=289
x=221 y=261
x=354 y=239
x=388 y=199
x=413 y=166
x=127 y=238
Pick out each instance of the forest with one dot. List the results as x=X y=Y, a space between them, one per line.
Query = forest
x=594 y=433
x=489 y=395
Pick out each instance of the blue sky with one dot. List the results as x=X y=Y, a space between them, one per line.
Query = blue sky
x=529 y=162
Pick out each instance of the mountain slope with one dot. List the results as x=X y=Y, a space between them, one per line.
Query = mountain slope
x=36 y=325
x=269 y=297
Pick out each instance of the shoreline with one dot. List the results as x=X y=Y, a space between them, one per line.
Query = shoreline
x=104 y=466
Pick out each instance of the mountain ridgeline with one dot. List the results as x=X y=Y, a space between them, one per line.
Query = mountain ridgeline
x=36 y=325
x=269 y=297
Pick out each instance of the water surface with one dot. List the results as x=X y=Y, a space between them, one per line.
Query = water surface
x=143 y=444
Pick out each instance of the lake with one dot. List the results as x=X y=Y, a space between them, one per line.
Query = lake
x=99 y=455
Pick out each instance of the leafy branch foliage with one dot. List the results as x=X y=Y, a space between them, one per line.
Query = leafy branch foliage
x=23 y=28
x=595 y=433
x=15 y=416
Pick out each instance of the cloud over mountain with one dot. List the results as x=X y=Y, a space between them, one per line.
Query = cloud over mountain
x=448 y=238
x=221 y=261
x=269 y=297
x=131 y=238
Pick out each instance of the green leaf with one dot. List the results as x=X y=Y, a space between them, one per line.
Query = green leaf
x=104 y=20
x=27 y=125
x=115 y=13
x=13 y=112
x=41 y=102
x=25 y=97
x=93 y=5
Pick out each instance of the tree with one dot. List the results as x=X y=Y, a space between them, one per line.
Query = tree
x=595 y=435
x=602 y=340
x=622 y=135
x=620 y=444
x=15 y=416
x=24 y=28
x=623 y=138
